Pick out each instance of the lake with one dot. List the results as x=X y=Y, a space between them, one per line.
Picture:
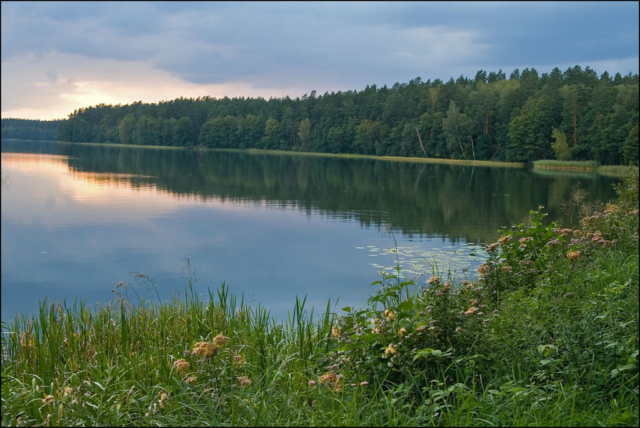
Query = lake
x=79 y=219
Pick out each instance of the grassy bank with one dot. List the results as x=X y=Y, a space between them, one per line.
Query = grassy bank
x=617 y=171
x=334 y=155
x=566 y=165
x=546 y=336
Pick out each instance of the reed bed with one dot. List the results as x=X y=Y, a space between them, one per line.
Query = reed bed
x=617 y=171
x=566 y=165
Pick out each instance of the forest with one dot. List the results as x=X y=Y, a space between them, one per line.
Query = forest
x=571 y=115
x=25 y=129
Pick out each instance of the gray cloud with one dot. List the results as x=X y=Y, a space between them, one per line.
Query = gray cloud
x=321 y=44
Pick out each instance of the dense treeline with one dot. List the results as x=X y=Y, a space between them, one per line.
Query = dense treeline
x=572 y=115
x=24 y=129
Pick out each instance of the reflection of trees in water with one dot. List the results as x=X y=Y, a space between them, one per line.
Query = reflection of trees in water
x=447 y=200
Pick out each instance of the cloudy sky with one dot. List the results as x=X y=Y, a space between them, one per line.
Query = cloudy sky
x=58 y=56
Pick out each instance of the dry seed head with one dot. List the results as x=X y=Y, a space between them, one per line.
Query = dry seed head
x=220 y=340
x=244 y=381
x=182 y=366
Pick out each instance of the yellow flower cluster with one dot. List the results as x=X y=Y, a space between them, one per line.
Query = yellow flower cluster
x=483 y=269
x=334 y=379
x=504 y=240
x=434 y=279
x=492 y=247
x=610 y=208
x=220 y=340
x=391 y=350
x=182 y=366
x=402 y=332
x=573 y=255
x=206 y=349
x=389 y=315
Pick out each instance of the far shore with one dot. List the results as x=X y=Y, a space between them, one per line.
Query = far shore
x=338 y=155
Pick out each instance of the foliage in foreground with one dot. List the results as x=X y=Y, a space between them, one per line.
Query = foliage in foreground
x=547 y=336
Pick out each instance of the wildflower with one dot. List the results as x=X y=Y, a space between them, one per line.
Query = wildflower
x=431 y=328
x=220 y=340
x=239 y=359
x=553 y=243
x=504 y=239
x=421 y=328
x=610 y=208
x=329 y=377
x=391 y=350
x=376 y=330
x=68 y=390
x=458 y=329
x=244 y=381
x=483 y=269
x=402 y=331
x=364 y=383
x=480 y=314
x=390 y=364
x=484 y=322
x=471 y=310
x=182 y=366
x=434 y=280
x=577 y=233
x=312 y=382
x=335 y=331
x=507 y=269
x=49 y=399
x=206 y=349
x=163 y=397
x=429 y=308
x=526 y=239
x=191 y=379
x=491 y=247
x=564 y=232
x=573 y=255
x=389 y=315
x=525 y=262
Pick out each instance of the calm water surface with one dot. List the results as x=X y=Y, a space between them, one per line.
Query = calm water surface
x=77 y=219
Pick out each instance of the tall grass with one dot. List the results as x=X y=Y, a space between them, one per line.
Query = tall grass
x=548 y=336
x=566 y=165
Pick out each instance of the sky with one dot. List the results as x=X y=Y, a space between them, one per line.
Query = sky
x=60 y=56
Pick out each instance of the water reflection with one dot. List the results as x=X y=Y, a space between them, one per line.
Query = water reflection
x=458 y=202
x=77 y=218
